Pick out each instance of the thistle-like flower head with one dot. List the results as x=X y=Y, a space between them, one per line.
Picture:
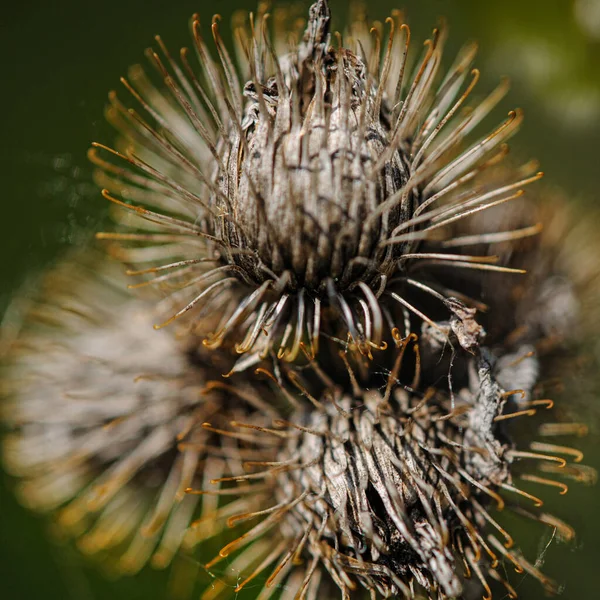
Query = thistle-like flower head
x=395 y=489
x=308 y=183
x=105 y=418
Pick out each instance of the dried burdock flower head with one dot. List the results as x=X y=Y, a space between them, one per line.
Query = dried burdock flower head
x=550 y=319
x=105 y=417
x=396 y=490
x=296 y=187
x=563 y=272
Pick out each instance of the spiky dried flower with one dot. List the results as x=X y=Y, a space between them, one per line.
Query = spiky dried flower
x=391 y=488
x=105 y=418
x=307 y=190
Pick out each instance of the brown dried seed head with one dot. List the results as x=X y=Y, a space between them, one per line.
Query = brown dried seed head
x=305 y=191
x=105 y=417
x=396 y=489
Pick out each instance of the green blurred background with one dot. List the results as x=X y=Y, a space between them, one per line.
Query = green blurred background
x=59 y=60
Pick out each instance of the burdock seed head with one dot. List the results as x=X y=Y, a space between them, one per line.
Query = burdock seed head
x=395 y=489
x=284 y=189
x=106 y=416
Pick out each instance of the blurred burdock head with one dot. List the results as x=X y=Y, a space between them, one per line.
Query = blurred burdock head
x=552 y=315
x=305 y=190
x=395 y=489
x=105 y=418
x=555 y=307
x=564 y=269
